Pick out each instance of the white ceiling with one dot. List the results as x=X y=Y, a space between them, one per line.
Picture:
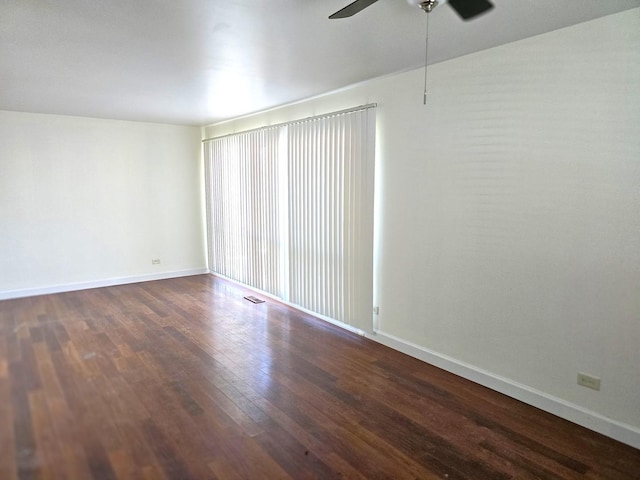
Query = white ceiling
x=197 y=62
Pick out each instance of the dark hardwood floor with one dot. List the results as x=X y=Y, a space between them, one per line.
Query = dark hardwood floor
x=184 y=379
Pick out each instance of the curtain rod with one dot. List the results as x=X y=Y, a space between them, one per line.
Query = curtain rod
x=293 y=122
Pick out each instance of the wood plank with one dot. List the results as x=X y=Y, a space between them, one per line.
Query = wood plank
x=8 y=466
x=183 y=378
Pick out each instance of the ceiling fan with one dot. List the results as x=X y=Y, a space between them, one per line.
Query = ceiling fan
x=467 y=9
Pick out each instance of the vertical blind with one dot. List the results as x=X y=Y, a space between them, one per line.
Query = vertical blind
x=290 y=212
x=244 y=204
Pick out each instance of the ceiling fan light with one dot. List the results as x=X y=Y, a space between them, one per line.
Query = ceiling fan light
x=418 y=3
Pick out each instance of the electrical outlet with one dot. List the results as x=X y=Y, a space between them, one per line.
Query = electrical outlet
x=376 y=310
x=589 y=381
x=155 y=261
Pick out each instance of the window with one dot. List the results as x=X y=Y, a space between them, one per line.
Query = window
x=290 y=212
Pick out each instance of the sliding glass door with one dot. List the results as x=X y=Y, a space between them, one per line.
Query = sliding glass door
x=290 y=212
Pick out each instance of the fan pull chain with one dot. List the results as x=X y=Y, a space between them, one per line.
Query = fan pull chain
x=426 y=59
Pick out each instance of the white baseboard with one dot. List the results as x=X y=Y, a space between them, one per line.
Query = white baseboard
x=624 y=433
x=107 y=282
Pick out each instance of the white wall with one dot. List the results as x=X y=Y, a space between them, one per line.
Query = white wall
x=87 y=201
x=508 y=216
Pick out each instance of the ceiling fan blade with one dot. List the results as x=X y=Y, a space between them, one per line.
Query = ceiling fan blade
x=352 y=8
x=468 y=9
